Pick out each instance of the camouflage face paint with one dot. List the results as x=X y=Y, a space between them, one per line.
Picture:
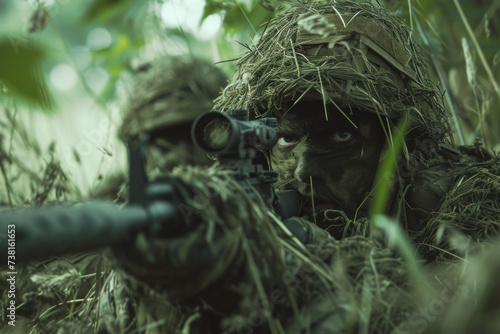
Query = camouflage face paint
x=341 y=159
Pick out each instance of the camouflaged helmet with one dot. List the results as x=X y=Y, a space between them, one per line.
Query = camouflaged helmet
x=352 y=54
x=169 y=92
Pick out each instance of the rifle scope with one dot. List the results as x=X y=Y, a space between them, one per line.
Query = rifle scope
x=220 y=134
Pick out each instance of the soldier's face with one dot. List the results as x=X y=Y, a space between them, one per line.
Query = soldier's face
x=332 y=161
x=173 y=146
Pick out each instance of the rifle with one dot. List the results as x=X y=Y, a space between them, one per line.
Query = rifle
x=152 y=207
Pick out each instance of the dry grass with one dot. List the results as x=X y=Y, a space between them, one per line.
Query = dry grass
x=29 y=175
x=300 y=58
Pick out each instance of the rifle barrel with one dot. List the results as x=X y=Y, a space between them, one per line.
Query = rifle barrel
x=41 y=233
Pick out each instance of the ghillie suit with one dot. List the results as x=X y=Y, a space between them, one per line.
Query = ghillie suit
x=358 y=56
x=355 y=55
x=168 y=94
x=239 y=270
x=469 y=213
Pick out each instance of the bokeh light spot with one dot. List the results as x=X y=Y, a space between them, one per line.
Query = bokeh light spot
x=173 y=14
x=96 y=78
x=63 y=77
x=209 y=27
x=98 y=38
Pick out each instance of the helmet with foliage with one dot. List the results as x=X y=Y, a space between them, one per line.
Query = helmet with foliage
x=170 y=92
x=352 y=54
x=168 y=95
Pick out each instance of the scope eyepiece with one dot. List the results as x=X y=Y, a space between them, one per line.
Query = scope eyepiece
x=214 y=132
x=220 y=134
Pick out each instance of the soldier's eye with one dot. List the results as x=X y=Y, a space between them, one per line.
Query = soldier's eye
x=341 y=137
x=286 y=142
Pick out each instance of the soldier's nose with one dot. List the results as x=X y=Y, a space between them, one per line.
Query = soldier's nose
x=305 y=169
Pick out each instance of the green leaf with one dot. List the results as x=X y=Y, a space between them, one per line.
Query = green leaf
x=20 y=70
x=387 y=169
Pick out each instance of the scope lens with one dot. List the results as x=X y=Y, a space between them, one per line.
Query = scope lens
x=217 y=133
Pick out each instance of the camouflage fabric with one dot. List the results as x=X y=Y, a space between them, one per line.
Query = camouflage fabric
x=468 y=213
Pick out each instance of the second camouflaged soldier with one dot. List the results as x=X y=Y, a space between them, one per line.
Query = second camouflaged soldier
x=168 y=94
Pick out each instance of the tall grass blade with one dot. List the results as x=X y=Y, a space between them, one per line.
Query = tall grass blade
x=478 y=48
x=387 y=169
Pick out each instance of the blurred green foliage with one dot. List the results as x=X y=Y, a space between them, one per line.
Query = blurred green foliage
x=241 y=18
x=20 y=71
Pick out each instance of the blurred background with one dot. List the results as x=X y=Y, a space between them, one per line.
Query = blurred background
x=66 y=71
